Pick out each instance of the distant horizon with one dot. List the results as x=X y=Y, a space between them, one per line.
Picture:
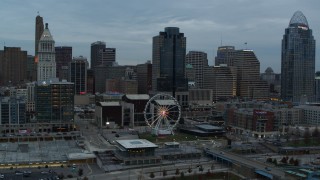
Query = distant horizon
x=130 y=26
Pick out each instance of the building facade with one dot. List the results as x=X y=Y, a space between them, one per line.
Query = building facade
x=96 y=49
x=168 y=61
x=47 y=63
x=144 y=78
x=63 y=58
x=54 y=102
x=13 y=66
x=199 y=61
x=298 y=60
x=78 y=74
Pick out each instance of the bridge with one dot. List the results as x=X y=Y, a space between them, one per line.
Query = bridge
x=260 y=169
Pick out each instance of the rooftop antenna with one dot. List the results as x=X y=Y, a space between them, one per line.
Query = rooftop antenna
x=38 y=13
x=220 y=40
x=246 y=45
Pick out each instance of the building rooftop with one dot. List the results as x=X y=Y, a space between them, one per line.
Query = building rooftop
x=208 y=127
x=112 y=103
x=136 y=143
x=138 y=96
x=165 y=102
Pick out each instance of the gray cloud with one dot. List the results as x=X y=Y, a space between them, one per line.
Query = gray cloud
x=130 y=25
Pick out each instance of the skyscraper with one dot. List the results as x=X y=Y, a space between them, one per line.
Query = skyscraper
x=144 y=77
x=47 y=63
x=199 y=61
x=96 y=49
x=13 y=66
x=298 y=60
x=107 y=57
x=168 y=61
x=39 y=31
x=247 y=67
x=78 y=74
x=63 y=58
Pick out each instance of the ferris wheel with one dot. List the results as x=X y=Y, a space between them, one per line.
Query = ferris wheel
x=162 y=114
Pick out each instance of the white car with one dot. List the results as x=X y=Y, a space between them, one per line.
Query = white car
x=1 y=176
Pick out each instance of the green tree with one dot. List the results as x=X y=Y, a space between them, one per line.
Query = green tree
x=307 y=136
x=152 y=175
x=80 y=172
x=164 y=172
x=177 y=171
x=284 y=160
x=296 y=162
x=291 y=161
x=182 y=175
x=275 y=162
x=189 y=170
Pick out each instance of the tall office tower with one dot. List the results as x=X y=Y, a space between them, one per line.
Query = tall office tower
x=225 y=55
x=249 y=84
x=107 y=57
x=54 y=101
x=298 y=60
x=63 y=58
x=221 y=80
x=168 y=61
x=96 y=49
x=39 y=31
x=47 y=63
x=90 y=82
x=247 y=68
x=78 y=74
x=31 y=68
x=13 y=66
x=199 y=61
x=30 y=103
x=317 y=86
x=144 y=77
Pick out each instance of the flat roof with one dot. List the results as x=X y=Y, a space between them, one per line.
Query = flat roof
x=136 y=143
x=112 y=103
x=138 y=96
x=165 y=102
x=208 y=127
x=79 y=156
x=171 y=143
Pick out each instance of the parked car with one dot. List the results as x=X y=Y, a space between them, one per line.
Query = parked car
x=18 y=173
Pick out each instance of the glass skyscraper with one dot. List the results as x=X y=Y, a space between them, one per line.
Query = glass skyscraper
x=168 y=61
x=298 y=61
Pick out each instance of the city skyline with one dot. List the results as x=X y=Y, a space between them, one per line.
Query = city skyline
x=129 y=27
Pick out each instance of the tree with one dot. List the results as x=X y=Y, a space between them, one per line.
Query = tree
x=189 y=170
x=61 y=176
x=291 y=161
x=152 y=175
x=275 y=162
x=307 y=136
x=269 y=160
x=316 y=135
x=182 y=175
x=164 y=172
x=201 y=168
x=296 y=162
x=177 y=171
x=284 y=160
x=80 y=172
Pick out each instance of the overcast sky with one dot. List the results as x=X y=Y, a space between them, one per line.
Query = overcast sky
x=129 y=25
